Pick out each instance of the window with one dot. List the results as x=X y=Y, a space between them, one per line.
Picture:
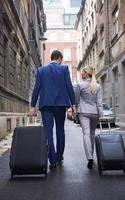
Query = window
x=70 y=71
x=67 y=54
x=90 y=58
x=116 y=100
x=115 y=21
x=104 y=85
x=9 y=125
x=115 y=74
x=69 y=19
x=101 y=2
x=90 y=33
x=87 y=36
x=83 y=45
x=2 y=104
x=12 y=68
x=93 y=26
x=93 y=58
x=17 y=122
x=23 y=121
x=6 y=60
x=75 y=3
x=85 y=41
x=54 y=1
x=110 y=102
x=66 y=19
x=105 y=106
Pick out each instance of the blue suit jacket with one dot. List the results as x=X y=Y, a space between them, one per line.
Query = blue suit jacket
x=53 y=85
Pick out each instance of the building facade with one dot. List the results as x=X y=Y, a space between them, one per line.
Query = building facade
x=61 y=33
x=20 y=54
x=109 y=38
x=86 y=26
x=112 y=59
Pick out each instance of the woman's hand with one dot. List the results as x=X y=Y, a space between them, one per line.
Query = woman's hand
x=74 y=109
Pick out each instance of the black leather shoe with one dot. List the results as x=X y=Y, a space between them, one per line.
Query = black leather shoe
x=60 y=161
x=52 y=166
x=90 y=164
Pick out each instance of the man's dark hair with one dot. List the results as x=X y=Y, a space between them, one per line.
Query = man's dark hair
x=56 y=54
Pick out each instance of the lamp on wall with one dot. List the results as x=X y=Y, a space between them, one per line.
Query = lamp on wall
x=42 y=38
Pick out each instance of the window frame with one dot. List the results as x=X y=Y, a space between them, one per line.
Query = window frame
x=69 y=19
x=115 y=22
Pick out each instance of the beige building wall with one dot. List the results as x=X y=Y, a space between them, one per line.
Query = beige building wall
x=103 y=46
x=62 y=36
x=69 y=55
x=111 y=55
x=64 y=41
x=19 y=58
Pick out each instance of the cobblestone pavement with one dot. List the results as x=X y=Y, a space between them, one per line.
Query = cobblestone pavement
x=72 y=181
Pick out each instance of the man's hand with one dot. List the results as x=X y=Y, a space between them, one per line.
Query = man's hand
x=74 y=109
x=32 y=112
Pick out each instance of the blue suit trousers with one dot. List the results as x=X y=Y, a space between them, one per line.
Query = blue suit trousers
x=49 y=114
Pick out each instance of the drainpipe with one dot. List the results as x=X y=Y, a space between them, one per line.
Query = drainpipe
x=108 y=52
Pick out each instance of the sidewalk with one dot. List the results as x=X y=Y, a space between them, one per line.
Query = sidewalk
x=72 y=181
x=5 y=144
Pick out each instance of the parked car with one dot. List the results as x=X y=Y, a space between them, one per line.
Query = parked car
x=108 y=115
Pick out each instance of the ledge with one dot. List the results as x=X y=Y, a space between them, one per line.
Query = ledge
x=8 y=114
x=12 y=94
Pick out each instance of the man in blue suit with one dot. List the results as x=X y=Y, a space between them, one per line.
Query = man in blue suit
x=55 y=91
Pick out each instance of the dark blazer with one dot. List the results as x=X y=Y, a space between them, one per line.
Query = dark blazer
x=53 y=85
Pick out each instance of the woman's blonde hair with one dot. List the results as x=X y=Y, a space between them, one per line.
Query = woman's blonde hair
x=93 y=84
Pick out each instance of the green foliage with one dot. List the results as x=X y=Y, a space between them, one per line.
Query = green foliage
x=4 y=134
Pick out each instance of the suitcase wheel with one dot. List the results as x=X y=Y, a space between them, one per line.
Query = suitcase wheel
x=100 y=172
x=11 y=176
x=44 y=172
x=124 y=170
x=45 y=175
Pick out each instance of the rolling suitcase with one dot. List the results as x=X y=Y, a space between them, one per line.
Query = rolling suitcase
x=110 y=151
x=28 y=153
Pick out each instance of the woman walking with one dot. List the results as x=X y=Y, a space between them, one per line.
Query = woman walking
x=89 y=109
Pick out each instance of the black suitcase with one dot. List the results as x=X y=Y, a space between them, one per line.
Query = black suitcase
x=110 y=152
x=28 y=153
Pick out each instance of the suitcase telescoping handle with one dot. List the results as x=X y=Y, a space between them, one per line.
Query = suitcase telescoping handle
x=108 y=122
x=34 y=119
